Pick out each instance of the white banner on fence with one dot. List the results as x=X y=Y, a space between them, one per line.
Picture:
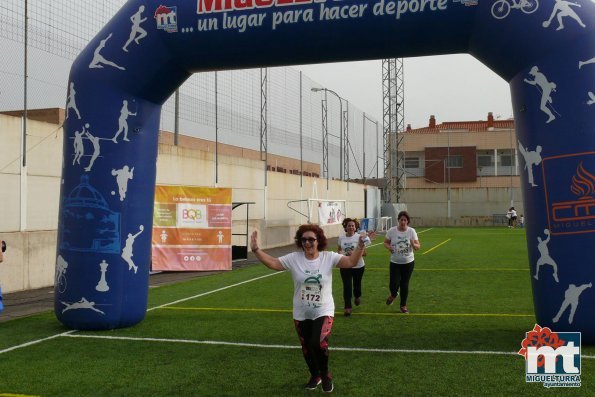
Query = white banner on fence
x=330 y=212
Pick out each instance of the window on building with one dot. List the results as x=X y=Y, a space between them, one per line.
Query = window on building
x=485 y=161
x=411 y=162
x=454 y=162
x=507 y=160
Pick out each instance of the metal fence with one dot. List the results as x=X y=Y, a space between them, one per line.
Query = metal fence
x=40 y=40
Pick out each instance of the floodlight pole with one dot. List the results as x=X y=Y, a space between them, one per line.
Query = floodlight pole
x=364 y=149
x=448 y=165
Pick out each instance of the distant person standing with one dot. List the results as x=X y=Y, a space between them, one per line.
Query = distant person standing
x=352 y=277
x=522 y=221
x=512 y=217
x=401 y=241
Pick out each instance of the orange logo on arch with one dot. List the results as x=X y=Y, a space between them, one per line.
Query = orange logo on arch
x=569 y=182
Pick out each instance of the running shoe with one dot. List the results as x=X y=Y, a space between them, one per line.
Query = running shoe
x=390 y=300
x=313 y=383
x=327 y=384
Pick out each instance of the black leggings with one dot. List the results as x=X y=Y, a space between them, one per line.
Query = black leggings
x=400 y=274
x=314 y=336
x=350 y=276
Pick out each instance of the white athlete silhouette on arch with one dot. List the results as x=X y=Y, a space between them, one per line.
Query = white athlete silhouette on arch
x=96 y=148
x=136 y=32
x=127 y=251
x=587 y=62
x=82 y=304
x=123 y=175
x=98 y=60
x=562 y=9
x=571 y=298
x=546 y=88
x=79 y=147
x=123 y=122
x=71 y=101
x=545 y=258
x=532 y=158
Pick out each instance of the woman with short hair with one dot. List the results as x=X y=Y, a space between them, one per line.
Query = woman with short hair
x=313 y=307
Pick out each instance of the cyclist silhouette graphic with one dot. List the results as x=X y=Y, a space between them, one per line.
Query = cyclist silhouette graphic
x=501 y=8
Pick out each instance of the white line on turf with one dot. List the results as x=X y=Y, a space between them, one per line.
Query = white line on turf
x=221 y=343
x=35 y=342
x=153 y=308
x=392 y=314
x=213 y=291
x=259 y=345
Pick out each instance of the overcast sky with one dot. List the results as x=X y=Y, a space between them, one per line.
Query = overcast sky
x=451 y=87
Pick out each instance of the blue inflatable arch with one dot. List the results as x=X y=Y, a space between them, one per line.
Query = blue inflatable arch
x=545 y=49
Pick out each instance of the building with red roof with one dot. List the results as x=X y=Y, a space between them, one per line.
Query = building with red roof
x=462 y=154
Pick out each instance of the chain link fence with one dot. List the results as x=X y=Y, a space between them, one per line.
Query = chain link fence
x=40 y=40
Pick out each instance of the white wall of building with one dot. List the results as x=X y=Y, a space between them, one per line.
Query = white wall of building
x=29 y=197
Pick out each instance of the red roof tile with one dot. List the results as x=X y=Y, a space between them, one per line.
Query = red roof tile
x=470 y=126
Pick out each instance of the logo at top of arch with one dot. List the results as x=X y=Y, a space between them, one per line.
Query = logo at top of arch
x=166 y=18
x=569 y=182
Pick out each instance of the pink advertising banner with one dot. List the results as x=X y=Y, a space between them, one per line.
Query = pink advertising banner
x=191 y=229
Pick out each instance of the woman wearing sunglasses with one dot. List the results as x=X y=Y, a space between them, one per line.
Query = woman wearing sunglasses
x=313 y=306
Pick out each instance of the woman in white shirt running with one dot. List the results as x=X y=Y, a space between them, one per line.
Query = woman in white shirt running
x=401 y=241
x=313 y=306
x=352 y=277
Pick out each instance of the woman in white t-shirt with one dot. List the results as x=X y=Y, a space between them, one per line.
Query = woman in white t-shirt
x=352 y=277
x=511 y=215
x=313 y=306
x=401 y=241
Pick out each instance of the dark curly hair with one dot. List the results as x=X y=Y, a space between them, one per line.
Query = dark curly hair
x=347 y=220
x=405 y=214
x=322 y=241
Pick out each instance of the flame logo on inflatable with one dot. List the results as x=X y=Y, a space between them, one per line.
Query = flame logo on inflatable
x=583 y=183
